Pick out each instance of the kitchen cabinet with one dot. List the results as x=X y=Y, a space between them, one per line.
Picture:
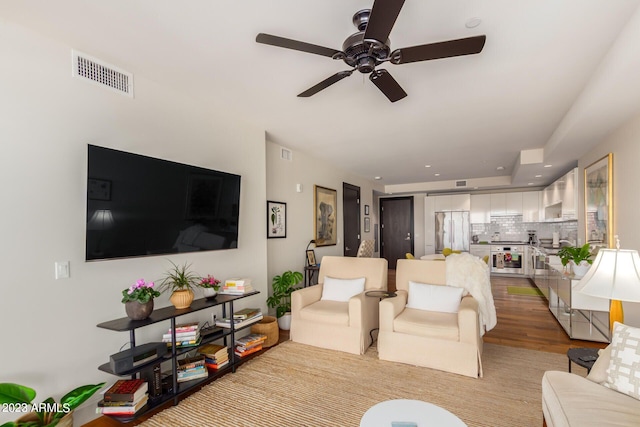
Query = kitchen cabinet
x=560 y=199
x=513 y=203
x=480 y=208
x=570 y=196
x=531 y=206
x=429 y=225
x=480 y=250
x=452 y=202
x=498 y=204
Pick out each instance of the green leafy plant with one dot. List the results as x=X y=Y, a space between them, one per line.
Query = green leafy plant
x=180 y=278
x=283 y=285
x=49 y=412
x=577 y=254
x=140 y=291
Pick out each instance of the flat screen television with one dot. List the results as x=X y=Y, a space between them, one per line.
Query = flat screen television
x=142 y=206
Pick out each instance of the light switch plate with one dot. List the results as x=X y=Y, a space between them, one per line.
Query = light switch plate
x=62 y=270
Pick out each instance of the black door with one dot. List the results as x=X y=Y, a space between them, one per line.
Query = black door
x=396 y=228
x=351 y=218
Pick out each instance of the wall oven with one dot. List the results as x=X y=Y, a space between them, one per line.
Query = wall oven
x=507 y=259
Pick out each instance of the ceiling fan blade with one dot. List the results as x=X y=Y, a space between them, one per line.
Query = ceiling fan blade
x=388 y=85
x=383 y=15
x=325 y=83
x=425 y=52
x=295 y=45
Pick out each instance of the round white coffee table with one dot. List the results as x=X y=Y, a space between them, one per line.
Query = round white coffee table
x=412 y=412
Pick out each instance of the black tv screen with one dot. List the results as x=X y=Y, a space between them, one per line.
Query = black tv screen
x=139 y=206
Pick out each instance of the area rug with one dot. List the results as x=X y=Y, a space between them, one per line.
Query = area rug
x=298 y=385
x=520 y=290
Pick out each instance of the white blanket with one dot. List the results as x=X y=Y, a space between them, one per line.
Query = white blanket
x=471 y=273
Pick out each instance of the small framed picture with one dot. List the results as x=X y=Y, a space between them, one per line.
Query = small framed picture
x=311 y=257
x=367 y=225
x=276 y=220
x=366 y=209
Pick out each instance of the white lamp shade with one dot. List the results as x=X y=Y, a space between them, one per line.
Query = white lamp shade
x=615 y=274
x=100 y=220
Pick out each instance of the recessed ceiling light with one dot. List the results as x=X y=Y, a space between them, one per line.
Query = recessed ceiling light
x=427 y=166
x=500 y=168
x=473 y=22
x=529 y=183
x=538 y=176
x=436 y=174
x=378 y=178
x=547 y=166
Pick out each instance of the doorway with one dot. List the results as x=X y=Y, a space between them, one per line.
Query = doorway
x=396 y=228
x=351 y=218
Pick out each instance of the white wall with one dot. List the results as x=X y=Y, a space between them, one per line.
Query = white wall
x=624 y=143
x=47 y=118
x=282 y=177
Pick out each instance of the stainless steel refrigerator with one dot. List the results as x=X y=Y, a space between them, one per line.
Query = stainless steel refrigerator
x=453 y=231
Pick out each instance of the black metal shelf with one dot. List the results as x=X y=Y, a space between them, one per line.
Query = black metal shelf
x=125 y=324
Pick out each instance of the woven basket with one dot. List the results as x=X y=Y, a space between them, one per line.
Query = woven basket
x=267 y=326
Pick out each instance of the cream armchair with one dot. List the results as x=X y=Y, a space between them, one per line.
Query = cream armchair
x=440 y=340
x=339 y=325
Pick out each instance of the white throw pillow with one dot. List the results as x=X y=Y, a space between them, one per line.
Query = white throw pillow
x=445 y=299
x=623 y=374
x=598 y=373
x=341 y=289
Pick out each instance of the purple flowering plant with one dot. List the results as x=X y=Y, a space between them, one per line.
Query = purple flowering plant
x=140 y=291
x=210 y=282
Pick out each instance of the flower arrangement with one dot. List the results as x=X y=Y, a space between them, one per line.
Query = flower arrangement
x=140 y=291
x=210 y=282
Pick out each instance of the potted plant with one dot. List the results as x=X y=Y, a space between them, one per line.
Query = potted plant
x=283 y=285
x=138 y=299
x=181 y=282
x=578 y=256
x=210 y=286
x=48 y=413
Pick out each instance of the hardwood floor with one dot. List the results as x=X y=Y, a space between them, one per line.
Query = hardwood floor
x=523 y=321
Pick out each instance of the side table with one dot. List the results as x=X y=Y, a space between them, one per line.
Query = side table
x=584 y=357
x=382 y=295
x=309 y=272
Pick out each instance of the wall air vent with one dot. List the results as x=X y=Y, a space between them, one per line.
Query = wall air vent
x=286 y=154
x=461 y=183
x=101 y=73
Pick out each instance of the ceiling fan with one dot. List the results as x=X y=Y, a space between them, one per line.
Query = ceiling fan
x=370 y=47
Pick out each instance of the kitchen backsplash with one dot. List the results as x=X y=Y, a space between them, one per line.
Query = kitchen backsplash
x=512 y=228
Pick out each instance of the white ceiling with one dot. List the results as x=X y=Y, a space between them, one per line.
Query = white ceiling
x=557 y=75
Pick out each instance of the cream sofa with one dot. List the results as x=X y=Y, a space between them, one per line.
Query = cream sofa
x=446 y=341
x=343 y=326
x=572 y=400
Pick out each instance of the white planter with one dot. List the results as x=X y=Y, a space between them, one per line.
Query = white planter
x=209 y=292
x=581 y=269
x=284 y=322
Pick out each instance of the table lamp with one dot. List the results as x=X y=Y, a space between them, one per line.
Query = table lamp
x=615 y=275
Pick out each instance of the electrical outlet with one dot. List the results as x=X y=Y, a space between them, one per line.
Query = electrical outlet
x=62 y=270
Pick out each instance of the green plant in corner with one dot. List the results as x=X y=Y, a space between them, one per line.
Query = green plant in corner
x=48 y=413
x=283 y=286
x=577 y=254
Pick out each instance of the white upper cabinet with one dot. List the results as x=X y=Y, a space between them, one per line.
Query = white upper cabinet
x=480 y=209
x=514 y=203
x=560 y=199
x=531 y=201
x=498 y=204
x=429 y=225
x=570 y=197
x=452 y=202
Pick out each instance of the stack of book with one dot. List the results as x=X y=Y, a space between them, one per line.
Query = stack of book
x=216 y=356
x=236 y=287
x=124 y=398
x=187 y=335
x=238 y=323
x=249 y=344
x=191 y=368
